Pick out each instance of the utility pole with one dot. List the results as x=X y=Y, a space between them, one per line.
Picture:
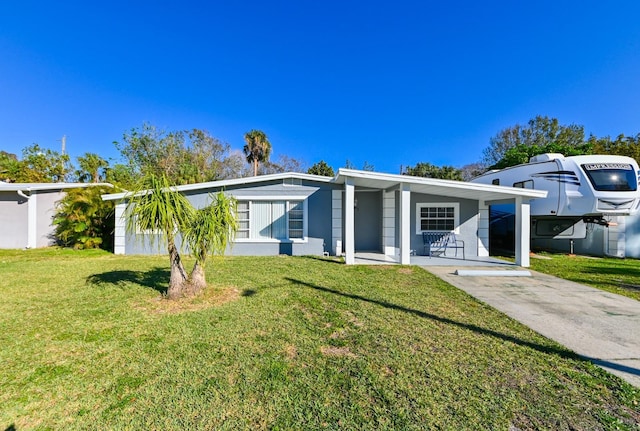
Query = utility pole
x=64 y=143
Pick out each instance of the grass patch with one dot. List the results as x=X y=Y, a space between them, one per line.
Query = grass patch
x=621 y=276
x=278 y=343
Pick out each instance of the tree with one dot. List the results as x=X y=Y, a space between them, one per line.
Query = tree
x=284 y=164
x=9 y=167
x=156 y=207
x=92 y=168
x=165 y=212
x=257 y=148
x=540 y=132
x=184 y=157
x=42 y=165
x=83 y=220
x=472 y=170
x=431 y=171
x=522 y=153
x=121 y=175
x=321 y=168
x=622 y=146
x=208 y=232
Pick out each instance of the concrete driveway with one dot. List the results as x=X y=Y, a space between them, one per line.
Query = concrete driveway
x=597 y=325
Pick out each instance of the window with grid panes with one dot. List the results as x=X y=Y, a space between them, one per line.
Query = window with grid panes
x=243 y=219
x=260 y=219
x=296 y=219
x=437 y=217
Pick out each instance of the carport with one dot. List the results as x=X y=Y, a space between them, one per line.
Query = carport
x=400 y=200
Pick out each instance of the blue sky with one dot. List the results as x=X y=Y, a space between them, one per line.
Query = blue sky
x=390 y=83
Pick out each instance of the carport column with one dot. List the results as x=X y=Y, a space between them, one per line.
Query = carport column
x=405 y=224
x=120 y=231
x=32 y=220
x=389 y=222
x=336 y=222
x=483 y=229
x=523 y=231
x=349 y=225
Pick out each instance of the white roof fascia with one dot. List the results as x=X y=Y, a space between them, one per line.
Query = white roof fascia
x=232 y=182
x=460 y=185
x=29 y=187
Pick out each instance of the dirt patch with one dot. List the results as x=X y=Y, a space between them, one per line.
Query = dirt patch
x=337 y=351
x=291 y=351
x=405 y=270
x=210 y=297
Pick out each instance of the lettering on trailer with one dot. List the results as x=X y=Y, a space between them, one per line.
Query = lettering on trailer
x=597 y=166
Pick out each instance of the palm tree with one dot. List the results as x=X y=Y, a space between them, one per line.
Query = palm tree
x=209 y=231
x=90 y=166
x=157 y=208
x=257 y=148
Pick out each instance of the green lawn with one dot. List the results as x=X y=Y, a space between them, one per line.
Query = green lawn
x=621 y=276
x=278 y=343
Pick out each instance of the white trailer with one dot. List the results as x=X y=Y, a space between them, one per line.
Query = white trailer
x=581 y=190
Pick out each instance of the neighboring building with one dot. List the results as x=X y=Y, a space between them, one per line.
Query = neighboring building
x=27 y=210
x=356 y=211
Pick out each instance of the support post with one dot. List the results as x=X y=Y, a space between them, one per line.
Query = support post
x=523 y=232
x=349 y=223
x=405 y=224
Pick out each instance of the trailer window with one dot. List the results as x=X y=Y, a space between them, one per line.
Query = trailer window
x=528 y=184
x=611 y=176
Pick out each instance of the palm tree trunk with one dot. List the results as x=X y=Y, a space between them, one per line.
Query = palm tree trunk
x=197 y=280
x=178 y=278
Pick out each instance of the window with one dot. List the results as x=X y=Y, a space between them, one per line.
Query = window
x=611 y=176
x=243 y=219
x=442 y=217
x=271 y=220
x=528 y=184
x=495 y=181
x=296 y=219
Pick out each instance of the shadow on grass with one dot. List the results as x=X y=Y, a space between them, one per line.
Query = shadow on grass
x=564 y=353
x=327 y=259
x=623 y=271
x=156 y=279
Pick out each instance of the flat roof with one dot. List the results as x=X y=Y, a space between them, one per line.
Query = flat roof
x=376 y=180
x=28 y=187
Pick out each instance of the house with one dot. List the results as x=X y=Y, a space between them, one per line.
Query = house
x=27 y=210
x=355 y=211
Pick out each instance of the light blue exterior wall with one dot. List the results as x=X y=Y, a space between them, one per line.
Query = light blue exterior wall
x=368 y=221
x=13 y=220
x=316 y=194
x=468 y=222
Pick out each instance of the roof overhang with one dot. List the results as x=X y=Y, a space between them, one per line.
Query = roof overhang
x=230 y=183
x=432 y=186
x=34 y=187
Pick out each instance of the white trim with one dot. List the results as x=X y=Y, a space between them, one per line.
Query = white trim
x=389 y=222
x=483 y=229
x=232 y=182
x=523 y=232
x=349 y=222
x=405 y=224
x=336 y=222
x=29 y=187
x=456 y=214
x=32 y=220
x=286 y=199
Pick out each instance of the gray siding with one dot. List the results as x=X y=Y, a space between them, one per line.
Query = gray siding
x=45 y=210
x=368 y=221
x=13 y=220
x=318 y=196
x=468 y=222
